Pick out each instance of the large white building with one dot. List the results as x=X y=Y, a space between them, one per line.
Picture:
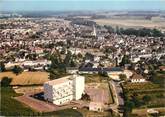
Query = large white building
x=64 y=89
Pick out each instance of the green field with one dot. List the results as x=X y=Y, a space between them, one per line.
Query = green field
x=94 y=78
x=11 y=107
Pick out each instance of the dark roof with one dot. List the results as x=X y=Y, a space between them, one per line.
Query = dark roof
x=71 y=68
x=112 y=69
x=90 y=69
x=101 y=69
x=137 y=76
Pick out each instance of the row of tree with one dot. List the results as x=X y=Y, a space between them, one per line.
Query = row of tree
x=135 y=102
x=137 y=32
x=59 y=65
x=16 y=69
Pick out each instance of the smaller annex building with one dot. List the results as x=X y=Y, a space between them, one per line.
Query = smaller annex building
x=96 y=106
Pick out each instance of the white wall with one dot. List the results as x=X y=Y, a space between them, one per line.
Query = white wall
x=79 y=85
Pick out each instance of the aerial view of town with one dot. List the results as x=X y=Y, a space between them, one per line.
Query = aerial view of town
x=82 y=58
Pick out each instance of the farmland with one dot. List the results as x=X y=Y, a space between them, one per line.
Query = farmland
x=26 y=78
x=143 y=112
x=144 y=95
x=130 y=23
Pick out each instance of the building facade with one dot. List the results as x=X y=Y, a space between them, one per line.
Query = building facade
x=64 y=89
x=96 y=106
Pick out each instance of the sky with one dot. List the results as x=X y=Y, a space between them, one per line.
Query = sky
x=80 y=5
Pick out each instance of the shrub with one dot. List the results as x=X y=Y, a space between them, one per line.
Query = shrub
x=17 y=70
x=146 y=98
x=5 y=81
x=85 y=97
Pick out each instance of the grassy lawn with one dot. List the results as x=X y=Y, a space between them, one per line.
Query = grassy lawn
x=11 y=107
x=87 y=113
x=26 y=78
x=94 y=78
x=143 y=112
x=64 y=113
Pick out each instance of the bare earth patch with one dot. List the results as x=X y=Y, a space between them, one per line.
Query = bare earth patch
x=98 y=93
x=35 y=104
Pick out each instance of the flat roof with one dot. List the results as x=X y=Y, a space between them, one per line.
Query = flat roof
x=113 y=69
x=59 y=80
x=62 y=80
x=94 y=104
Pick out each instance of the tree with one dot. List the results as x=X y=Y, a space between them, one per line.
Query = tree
x=69 y=43
x=54 y=61
x=129 y=105
x=57 y=67
x=5 y=81
x=103 y=74
x=89 y=56
x=146 y=98
x=54 y=74
x=72 y=63
x=67 y=59
x=123 y=77
x=85 y=97
x=2 y=67
x=125 y=60
x=157 y=79
x=79 y=55
x=17 y=70
x=156 y=33
x=109 y=28
x=136 y=101
x=63 y=51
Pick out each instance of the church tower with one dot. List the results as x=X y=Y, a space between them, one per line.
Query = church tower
x=94 y=31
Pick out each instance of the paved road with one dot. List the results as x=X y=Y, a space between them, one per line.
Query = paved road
x=117 y=90
x=43 y=106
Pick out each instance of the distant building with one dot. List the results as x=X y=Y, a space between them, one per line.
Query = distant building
x=115 y=72
x=162 y=68
x=94 y=33
x=90 y=70
x=72 y=70
x=137 y=78
x=64 y=89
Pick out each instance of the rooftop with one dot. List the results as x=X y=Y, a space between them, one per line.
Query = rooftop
x=60 y=80
x=137 y=76
x=96 y=104
x=101 y=69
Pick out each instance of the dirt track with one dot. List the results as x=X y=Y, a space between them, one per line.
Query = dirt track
x=37 y=105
